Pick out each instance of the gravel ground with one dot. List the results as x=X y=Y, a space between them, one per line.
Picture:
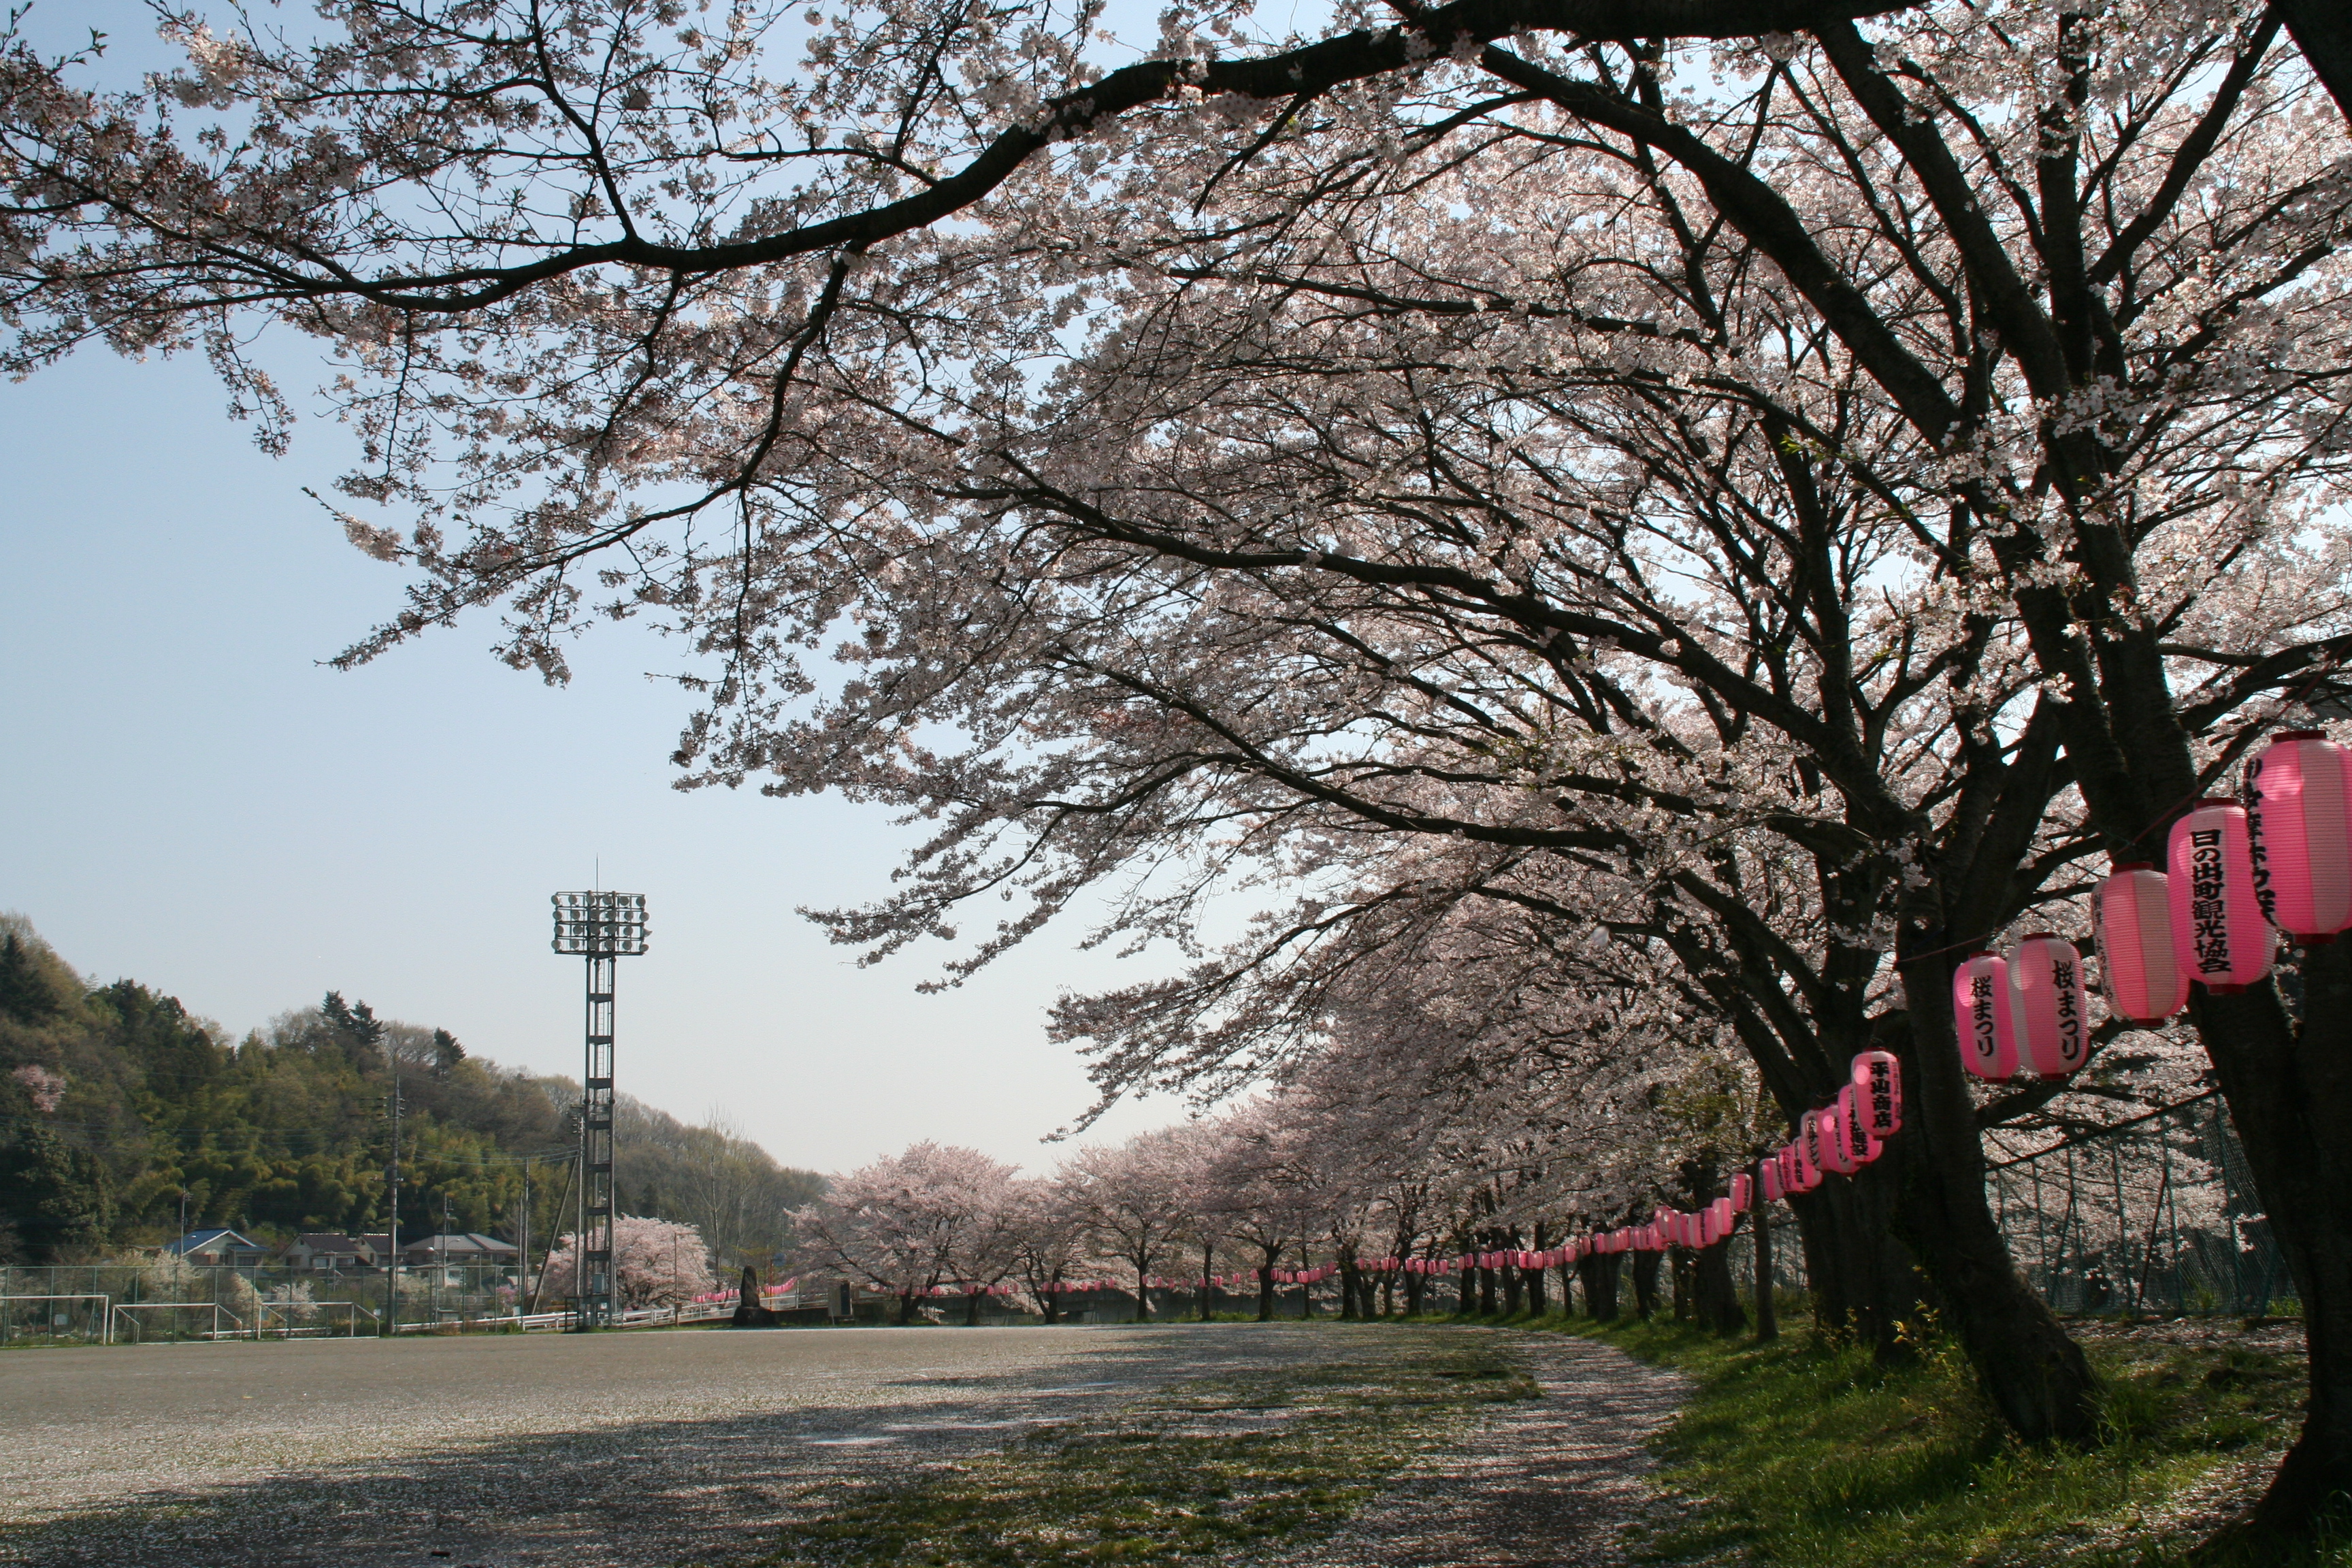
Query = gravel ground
x=607 y=1451
x=650 y=1450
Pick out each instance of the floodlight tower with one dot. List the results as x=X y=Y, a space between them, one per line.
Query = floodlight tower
x=602 y=928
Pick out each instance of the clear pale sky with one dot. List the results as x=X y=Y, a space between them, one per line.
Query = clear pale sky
x=192 y=801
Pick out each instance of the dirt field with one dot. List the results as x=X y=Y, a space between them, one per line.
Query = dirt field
x=649 y=1450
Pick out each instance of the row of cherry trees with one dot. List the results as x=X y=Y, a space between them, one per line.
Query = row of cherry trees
x=1635 y=535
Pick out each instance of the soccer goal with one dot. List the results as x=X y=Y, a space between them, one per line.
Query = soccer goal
x=57 y=1317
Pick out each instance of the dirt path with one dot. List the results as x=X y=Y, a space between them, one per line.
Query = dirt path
x=1551 y=1483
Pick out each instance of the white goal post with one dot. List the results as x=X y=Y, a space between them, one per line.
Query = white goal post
x=105 y=1311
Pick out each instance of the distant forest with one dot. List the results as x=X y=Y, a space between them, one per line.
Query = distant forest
x=117 y=1105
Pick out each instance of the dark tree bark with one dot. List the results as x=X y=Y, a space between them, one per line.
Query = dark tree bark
x=2290 y=1092
x=2322 y=29
x=2035 y=1376
x=1759 y=1220
x=1645 y=1282
x=1597 y=1273
x=1535 y=1292
x=1717 y=1296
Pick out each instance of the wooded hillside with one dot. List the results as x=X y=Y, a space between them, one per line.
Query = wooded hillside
x=114 y=1102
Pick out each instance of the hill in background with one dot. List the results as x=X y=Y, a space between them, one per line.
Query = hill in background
x=117 y=1107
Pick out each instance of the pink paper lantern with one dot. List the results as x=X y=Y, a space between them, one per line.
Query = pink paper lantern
x=1878 y=1088
x=2131 y=923
x=1743 y=1191
x=2218 y=931
x=1810 y=1140
x=2050 y=1021
x=1980 y=1011
x=1808 y=1170
x=1829 y=1144
x=1772 y=1181
x=1853 y=1134
x=2299 y=833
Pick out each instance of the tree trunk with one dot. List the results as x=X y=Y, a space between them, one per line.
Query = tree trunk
x=906 y=1308
x=1865 y=1283
x=1266 y=1293
x=1350 y=1279
x=1486 y=1291
x=1768 y=1315
x=971 y=1310
x=1536 y=1291
x=1415 y=1286
x=1511 y=1300
x=1717 y=1297
x=1142 y=1297
x=1597 y=1272
x=1566 y=1290
x=2292 y=1101
x=2035 y=1376
x=1645 y=1282
x=1468 y=1302
x=1679 y=1263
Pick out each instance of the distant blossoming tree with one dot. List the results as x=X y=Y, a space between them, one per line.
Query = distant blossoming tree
x=656 y=1263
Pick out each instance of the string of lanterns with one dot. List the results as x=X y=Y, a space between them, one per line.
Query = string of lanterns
x=2281 y=859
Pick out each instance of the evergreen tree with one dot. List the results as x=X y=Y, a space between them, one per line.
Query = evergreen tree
x=57 y=1198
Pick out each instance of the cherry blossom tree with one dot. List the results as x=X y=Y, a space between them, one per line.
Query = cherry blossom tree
x=909 y=1222
x=1130 y=1199
x=656 y=1263
x=1861 y=474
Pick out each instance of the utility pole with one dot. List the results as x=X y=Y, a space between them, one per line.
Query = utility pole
x=392 y=1184
x=522 y=1277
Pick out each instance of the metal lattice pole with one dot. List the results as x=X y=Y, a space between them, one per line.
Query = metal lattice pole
x=596 y=1147
x=602 y=927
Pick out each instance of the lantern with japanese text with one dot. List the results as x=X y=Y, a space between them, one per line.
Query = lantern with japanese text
x=1830 y=1142
x=1808 y=1169
x=1853 y=1136
x=2299 y=833
x=2139 y=968
x=2051 y=1024
x=2218 y=932
x=1878 y=1088
x=1980 y=1011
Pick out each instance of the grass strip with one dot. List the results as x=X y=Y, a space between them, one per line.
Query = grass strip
x=1225 y=1469
x=1802 y=1452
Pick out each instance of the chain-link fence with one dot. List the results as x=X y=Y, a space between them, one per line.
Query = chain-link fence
x=2156 y=1215
x=165 y=1298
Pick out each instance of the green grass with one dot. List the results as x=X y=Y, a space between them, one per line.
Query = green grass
x=1799 y=1453
x=1205 y=1472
